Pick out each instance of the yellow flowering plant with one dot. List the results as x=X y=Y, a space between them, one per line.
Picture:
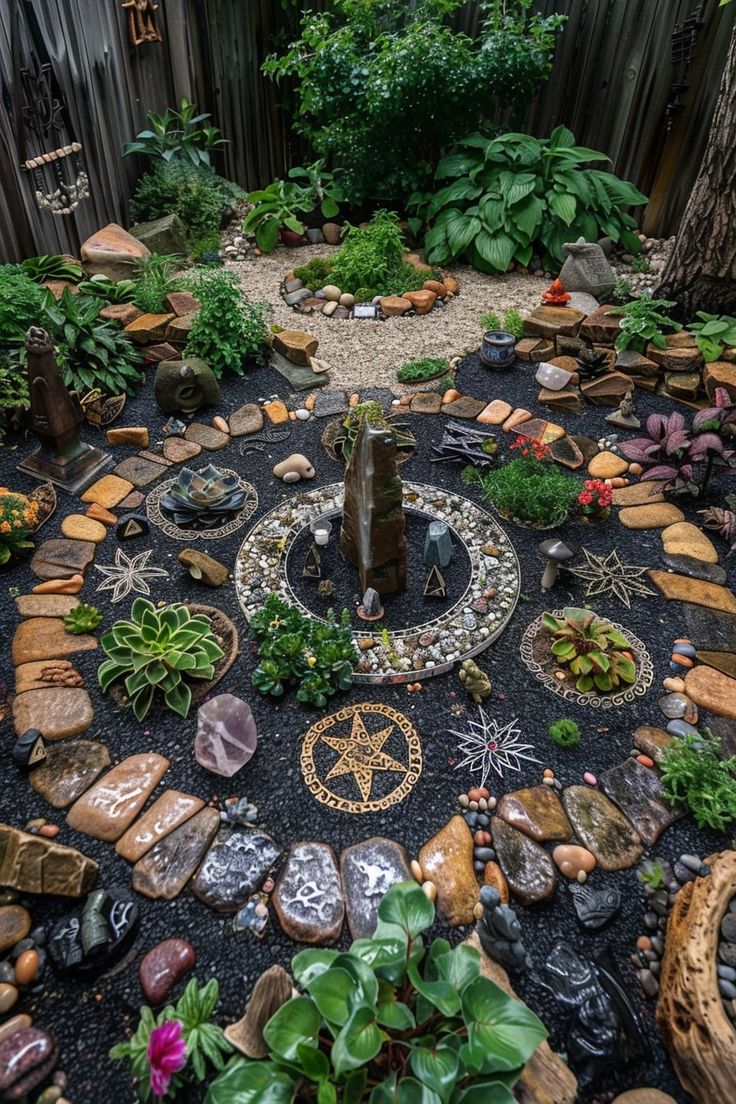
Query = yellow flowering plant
x=18 y=517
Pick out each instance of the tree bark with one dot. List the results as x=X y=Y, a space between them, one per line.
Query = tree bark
x=701 y=272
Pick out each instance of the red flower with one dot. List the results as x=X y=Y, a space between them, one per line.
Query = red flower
x=166 y=1055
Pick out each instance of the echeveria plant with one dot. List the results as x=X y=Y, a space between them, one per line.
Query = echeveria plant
x=389 y=1022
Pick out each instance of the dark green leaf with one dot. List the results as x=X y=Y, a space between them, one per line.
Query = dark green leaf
x=295 y=1023
x=358 y=1042
x=247 y=1082
x=503 y=1029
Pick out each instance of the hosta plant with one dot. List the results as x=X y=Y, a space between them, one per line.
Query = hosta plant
x=641 y=321
x=390 y=1021
x=713 y=334
x=91 y=353
x=82 y=619
x=155 y=653
x=514 y=195
x=594 y=652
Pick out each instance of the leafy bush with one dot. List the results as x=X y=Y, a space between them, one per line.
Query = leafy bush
x=596 y=653
x=318 y=657
x=713 y=334
x=18 y=516
x=91 y=352
x=513 y=323
x=694 y=773
x=177 y=134
x=274 y=207
x=197 y=195
x=390 y=1021
x=315 y=273
x=641 y=321
x=515 y=195
x=13 y=389
x=530 y=488
x=205 y=1042
x=156 y=651
x=109 y=291
x=205 y=247
x=371 y=260
x=426 y=368
x=82 y=619
x=155 y=281
x=51 y=268
x=565 y=733
x=383 y=87
x=21 y=305
x=324 y=186
x=228 y=328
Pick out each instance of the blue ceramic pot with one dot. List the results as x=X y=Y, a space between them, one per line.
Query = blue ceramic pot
x=497 y=350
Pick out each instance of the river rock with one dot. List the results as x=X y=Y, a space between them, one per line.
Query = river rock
x=170 y=810
x=527 y=866
x=15 y=924
x=211 y=439
x=235 y=867
x=34 y=864
x=537 y=812
x=696 y=591
x=46 y=638
x=166 y=868
x=106 y=810
x=639 y=794
x=69 y=771
x=368 y=870
x=247 y=419
x=652 y=741
x=660 y=515
x=226 y=735
x=26 y=1059
x=571 y=858
x=606 y=465
x=56 y=712
x=600 y=826
x=163 y=966
x=712 y=690
x=447 y=860
x=308 y=896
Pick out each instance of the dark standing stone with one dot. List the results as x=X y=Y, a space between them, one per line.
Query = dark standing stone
x=639 y=794
x=601 y=828
x=308 y=897
x=235 y=867
x=595 y=907
x=131 y=526
x=695 y=569
x=26 y=1059
x=528 y=868
x=167 y=867
x=29 y=749
x=710 y=629
x=70 y=769
x=368 y=871
x=163 y=966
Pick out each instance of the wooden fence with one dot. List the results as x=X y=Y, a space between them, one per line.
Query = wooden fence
x=612 y=83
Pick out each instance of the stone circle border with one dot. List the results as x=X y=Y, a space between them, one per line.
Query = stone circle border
x=263 y=556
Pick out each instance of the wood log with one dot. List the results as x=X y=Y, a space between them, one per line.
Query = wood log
x=692 y=1022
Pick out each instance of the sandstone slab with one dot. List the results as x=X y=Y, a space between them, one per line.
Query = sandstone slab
x=685 y=539
x=56 y=712
x=235 y=867
x=33 y=864
x=46 y=638
x=721 y=661
x=308 y=897
x=646 y=493
x=210 y=439
x=601 y=827
x=528 y=868
x=168 y=811
x=536 y=811
x=368 y=870
x=44 y=673
x=601 y=327
x=108 y=491
x=495 y=413
x=639 y=794
x=447 y=860
x=681 y=588
x=695 y=569
x=710 y=629
x=80 y=527
x=247 y=419
x=45 y=605
x=149 y=328
x=426 y=402
x=607 y=465
x=549 y=321
x=69 y=770
x=720 y=373
x=140 y=471
x=712 y=690
x=177 y=450
x=163 y=871
x=110 y=806
x=62 y=558
x=464 y=407
x=657 y=516
x=296 y=346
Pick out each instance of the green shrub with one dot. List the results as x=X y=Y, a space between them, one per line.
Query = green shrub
x=694 y=774
x=713 y=334
x=229 y=328
x=13 y=389
x=530 y=488
x=513 y=196
x=197 y=195
x=319 y=658
x=206 y=247
x=314 y=274
x=21 y=305
x=91 y=352
x=565 y=733
x=383 y=87
x=389 y=1020
x=155 y=281
x=372 y=257
x=417 y=370
x=155 y=653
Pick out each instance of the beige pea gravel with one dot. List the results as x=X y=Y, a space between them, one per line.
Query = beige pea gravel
x=367 y=354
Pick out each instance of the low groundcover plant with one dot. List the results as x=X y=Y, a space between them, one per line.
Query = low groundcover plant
x=389 y=1022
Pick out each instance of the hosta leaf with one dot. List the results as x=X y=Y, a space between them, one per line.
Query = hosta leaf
x=455 y=164
x=528 y=215
x=515 y=186
x=564 y=206
x=497 y=249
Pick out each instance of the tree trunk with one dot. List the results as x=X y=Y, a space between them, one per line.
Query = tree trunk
x=701 y=272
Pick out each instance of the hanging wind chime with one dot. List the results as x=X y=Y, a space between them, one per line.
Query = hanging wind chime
x=59 y=179
x=141 y=21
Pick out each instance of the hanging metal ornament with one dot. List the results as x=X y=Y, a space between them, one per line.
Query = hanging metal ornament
x=59 y=179
x=142 y=21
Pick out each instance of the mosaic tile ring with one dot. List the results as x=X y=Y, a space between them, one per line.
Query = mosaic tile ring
x=157 y=517
x=644 y=668
x=423 y=650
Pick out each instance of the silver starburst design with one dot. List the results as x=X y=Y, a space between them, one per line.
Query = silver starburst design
x=607 y=573
x=489 y=746
x=129 y=573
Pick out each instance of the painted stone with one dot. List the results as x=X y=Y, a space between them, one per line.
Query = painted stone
x=528 y=868
x=368 y=870
x=537 y=812
x=170 y=810
x=601 y=828
x=308 y=897
x=93 y=941
x=226 y=735
x=164 y=965
x=163 y=871
x=110 y=806
x=69 y=770
x=235 y=867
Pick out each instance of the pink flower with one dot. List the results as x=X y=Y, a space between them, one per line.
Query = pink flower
x=166 y=1054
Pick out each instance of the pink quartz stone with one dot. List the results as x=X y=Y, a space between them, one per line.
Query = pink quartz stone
x=226 y=735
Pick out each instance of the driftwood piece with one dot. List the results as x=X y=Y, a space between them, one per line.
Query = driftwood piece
x=694 y=1027
x=546 y=1078
x=273 y=988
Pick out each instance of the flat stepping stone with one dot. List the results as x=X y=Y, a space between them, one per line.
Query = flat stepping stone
x=247 y=419
x=447 y=860
x=43 y=673
x=368 y=870
x=56 y=712
x=680 y=588
x=80 y=527
x=696 y=569
x=211 y=439
x=567 y=453
x=657 y=516
x=45 y=605
x=685 y=539
x=60 y=558
x=69 y=770
x=721 y=661
x=541 y=430
x=163 y=872
x=168 y=811
x=329 y=403
x=308 y=897
x=426 y=402
x=646 y=493
x=106 y=810
x=710 y=629
x=639 y=794
x=108 y=491
x=548 y=321
x=516 y=418
x=298 y=377
x=133 y=500
x=495 y=412
x=178 y=450
x=602 y=828
x=46 y=638
x=140 y=471
x=464 y=407
x=652 y=741
x=527 y=867
x=154 y=457
x=33 y=864
x=712 y=690
x=537 y=812
x=236 y=866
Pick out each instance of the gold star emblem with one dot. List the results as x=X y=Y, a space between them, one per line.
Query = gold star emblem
x=361 y=753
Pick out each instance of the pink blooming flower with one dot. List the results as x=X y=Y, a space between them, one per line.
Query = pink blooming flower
x=166 y=1054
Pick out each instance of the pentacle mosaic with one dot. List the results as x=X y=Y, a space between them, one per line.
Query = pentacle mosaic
x=157 y=515
x=361 y=759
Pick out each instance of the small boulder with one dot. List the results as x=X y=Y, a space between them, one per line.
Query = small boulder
x=113 y=252
x=294 y=468
x=295 y=345
x=163 y=235
x=422 y=301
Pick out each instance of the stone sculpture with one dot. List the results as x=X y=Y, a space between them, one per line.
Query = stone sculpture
x=587 y=269
x=183 y=386
x=499 y=931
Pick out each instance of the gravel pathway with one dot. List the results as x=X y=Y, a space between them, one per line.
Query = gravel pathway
x=368 y=353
